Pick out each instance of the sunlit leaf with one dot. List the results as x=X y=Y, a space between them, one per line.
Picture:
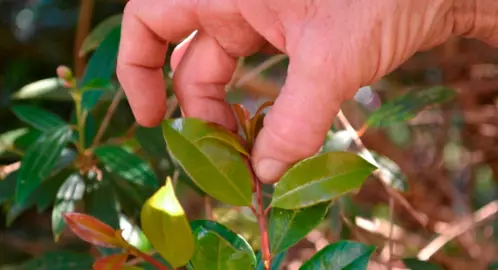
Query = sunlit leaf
x=92 y=230
x=407 y=106
x=37 y=117
x=8 y=138
x=214 y=252
x=337 y=141
x=343 y=255
x=49 y=88
x=40 y=159
x=276 y=261
x=111 y=262
x=101 y=65
x=68 y=195
x=59 y=260
x=127 y=165
x=320 y=178
x=216 y=168
x=202 y=227
x=287 y=227
x=416 y=264
x=133 y=234
x=166 y=226
x=98 y=34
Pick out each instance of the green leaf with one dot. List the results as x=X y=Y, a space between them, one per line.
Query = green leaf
x=37 y=117
x=288 y=227
x=49 y=88
x=97 y=84
x=416 y=264
x=202 y=227
x=227 y=138
x=407 y=106
x=343 y=255
x=276 y=261
x=215 y=167
x=127 y=165
x=214 y=252
x=101 y=65
x=8 y=187
x=40 y=159
x=151 y=140
x=320 y=178
x=59 y=260
x=68 y=195
x=99 y=33
x=131 y=197
x=133 y=234
x=46 y=194
x=164 y=222
x=26 y=140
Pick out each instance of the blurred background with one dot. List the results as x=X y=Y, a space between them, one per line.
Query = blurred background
x=440 y=200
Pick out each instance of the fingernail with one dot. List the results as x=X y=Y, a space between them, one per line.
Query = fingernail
x=270 y=170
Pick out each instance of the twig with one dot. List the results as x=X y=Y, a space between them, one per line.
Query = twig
x=263 y=230
x=260 y=68
x=421 y=218
x=391 y=231
x=458 y=228
x=83 y=28
x=208 y=207
x=107 y=118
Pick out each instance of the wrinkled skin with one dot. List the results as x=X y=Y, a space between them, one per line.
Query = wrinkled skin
x=334 y=47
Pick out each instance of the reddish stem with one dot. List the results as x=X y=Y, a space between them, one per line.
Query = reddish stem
x=263 y=230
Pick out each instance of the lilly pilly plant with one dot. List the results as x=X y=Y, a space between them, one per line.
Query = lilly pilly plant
x=217 y=161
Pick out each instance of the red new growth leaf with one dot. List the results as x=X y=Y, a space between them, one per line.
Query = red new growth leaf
x=92 y=230
x=111 y=262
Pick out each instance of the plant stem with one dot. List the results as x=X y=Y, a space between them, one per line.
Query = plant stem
x=77 y=96
x=263 y=230
x=107 y=118
x=152 y=261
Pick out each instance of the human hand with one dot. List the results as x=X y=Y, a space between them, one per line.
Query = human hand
x=334 y=47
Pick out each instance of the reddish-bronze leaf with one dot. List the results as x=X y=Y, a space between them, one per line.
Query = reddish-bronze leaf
x=111 y=262
x=92 y=230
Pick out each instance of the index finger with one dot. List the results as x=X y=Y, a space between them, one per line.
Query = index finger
x=147 y=27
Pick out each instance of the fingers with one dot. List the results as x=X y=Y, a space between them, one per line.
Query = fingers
x=200 y=78
x=146 y=28
x=297 y=123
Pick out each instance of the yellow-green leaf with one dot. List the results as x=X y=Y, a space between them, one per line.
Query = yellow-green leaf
x=320 y=178
x=215 y=167
x=166 y=226
x=213 y=252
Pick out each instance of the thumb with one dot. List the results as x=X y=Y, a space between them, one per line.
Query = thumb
x=297 y=123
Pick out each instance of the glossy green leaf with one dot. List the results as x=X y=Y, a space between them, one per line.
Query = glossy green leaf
x=407 y=106
x=99 y=33
x=92 y=230
x=288 y=227
x=27 y=139
x=8 y=187
x=164 y=222
x=214 y=252
x=215 y=167
x=40 y=159
x=49 y=88
x=201 y=227
x=111 y=262
x=131 y=197
x=59 y=260
x=225 y=137
x=320 y=178
x=100 y=202
x=68 y=195
x=151 y=140
x=133 y=234
x=343 y=255
x=416 y=264
x=46 y=194
x=37 y=117
x=101 y=65
x=127 y=165
x=276 y=261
